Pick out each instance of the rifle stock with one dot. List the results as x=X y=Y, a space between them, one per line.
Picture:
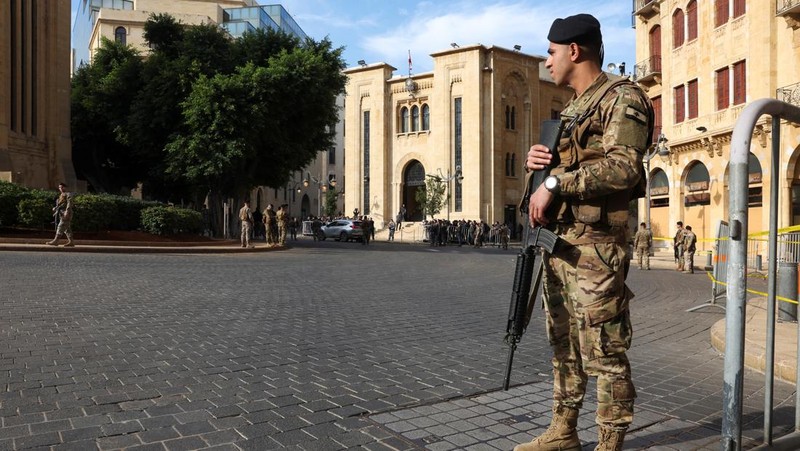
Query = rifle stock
x=528 y=270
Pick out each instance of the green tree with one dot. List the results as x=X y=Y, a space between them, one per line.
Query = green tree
x=330 y=202
x=101 y=96
x=431 y=199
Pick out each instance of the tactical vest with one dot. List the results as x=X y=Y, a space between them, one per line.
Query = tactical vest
x=611 y=209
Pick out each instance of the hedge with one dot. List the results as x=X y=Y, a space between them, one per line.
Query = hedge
x=20 y=206
x=161 y=220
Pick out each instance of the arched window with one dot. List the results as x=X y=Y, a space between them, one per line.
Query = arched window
x=691 y=16
x=404 y=120
x=513 y=118
x=414 y=118
x=426 y=117
x=678 y=35
x=513 y=165
x=754 y=190
x=508 y=117
x=697 y=185
x=120 y=35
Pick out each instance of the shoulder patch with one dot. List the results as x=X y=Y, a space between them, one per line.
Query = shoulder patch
x=633 y=113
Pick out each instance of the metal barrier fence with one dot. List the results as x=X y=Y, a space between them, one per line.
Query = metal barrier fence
x=737 y=266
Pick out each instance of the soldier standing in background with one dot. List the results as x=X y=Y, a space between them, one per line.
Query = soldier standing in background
x=643 y=242
x=608 y=125
x=677 y=243
x=281 y=219
x=63 y=216
x=270 y=225
x=689 y=245
x=246 y=218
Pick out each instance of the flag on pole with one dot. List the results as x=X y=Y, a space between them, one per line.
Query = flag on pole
x=409 y=61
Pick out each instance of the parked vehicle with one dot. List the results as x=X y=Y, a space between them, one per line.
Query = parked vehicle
x=343 y=230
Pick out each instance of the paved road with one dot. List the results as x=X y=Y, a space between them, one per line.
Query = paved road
x=324 y=346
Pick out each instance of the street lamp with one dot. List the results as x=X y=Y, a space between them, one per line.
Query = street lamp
x=661 y=149
x=457 y=176
x=322 y=187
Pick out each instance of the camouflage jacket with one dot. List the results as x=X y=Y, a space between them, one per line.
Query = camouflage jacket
x=608 y=129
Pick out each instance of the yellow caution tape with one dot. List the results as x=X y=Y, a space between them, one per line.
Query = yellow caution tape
x=751 y=291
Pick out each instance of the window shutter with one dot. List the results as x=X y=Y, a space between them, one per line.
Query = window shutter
x=692 y=99
x=721 y=13
x=739 y=82
x=680 y=104
x=677 y=29
x=723 y=94
x=691 y=12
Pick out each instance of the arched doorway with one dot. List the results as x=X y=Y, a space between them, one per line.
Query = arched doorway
x=413 y=181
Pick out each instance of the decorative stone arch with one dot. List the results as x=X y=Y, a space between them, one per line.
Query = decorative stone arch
x=412 y=180
x=793 y=182
x=755 y=191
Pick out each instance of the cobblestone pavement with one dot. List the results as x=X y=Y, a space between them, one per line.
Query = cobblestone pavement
x=324 y=346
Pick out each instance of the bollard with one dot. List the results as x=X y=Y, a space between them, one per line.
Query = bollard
x=787 y=288
x=709 y=265
x=759 y=263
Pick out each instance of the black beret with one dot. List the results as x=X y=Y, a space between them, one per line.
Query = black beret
x=580 y=29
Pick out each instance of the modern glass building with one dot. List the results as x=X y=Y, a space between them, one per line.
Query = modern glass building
x=123 y=20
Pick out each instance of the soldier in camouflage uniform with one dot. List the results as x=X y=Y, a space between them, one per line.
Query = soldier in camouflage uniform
x=271 y=226
x=608 y=126
x=63 y=216
x=246 y=218
x=689 y=245
x=642 y=243
x=283 y=224
x=677 y=242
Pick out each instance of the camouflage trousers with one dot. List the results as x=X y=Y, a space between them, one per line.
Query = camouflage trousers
x=643 y=256
x=245 y=234
x=589 y=328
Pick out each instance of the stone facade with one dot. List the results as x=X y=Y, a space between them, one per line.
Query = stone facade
x=484 y=106
x=35 y=147
x=701 y=76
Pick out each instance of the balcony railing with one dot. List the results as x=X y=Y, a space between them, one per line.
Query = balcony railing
x=789 y=94
x=647 y=70
x=646 y=8
x=784 y=7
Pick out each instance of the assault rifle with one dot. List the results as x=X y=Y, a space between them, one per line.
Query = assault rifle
x=528 y=272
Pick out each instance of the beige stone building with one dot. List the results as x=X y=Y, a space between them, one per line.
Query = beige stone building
x=702 y=62
x=475 y=115
x=35 y=147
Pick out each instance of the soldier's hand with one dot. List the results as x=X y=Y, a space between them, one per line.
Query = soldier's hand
x=537 y=208
x=539 y=157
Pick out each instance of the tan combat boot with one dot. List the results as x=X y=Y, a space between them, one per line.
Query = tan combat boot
x=53 y=242
x=69 y=242
x=609 y=439
x=560 y=436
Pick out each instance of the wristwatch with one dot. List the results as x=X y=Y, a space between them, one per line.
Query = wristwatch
x=552 y=184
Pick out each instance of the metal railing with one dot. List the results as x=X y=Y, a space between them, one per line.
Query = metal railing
x=648 y=67
x=789 y=94
x=639 y=5
x=786 y=6
x=733 y=383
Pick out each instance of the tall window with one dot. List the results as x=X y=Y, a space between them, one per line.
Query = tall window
x=680 y=103
x=739 y=8
x=739 y=82
x=457 y=147
x=723 y=88
x=365 y=144
x=414 y=118
x=508 y=117
x=404 y=120
x=513 y=165
x=691 y=21
x=657 y=115
x=508 y=164
x=677 y=29
x=120 y=35
x=513 y=118
x=426 y=117
x=332 y=155
x=721 y=12
x=692 y=97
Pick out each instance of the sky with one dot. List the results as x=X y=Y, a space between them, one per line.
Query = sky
x=385 y=31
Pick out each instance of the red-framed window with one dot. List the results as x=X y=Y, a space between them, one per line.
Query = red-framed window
x=680 y=103
x=678 y=35
x=739 y=8
x=691 y=89
x=691 y=21
x=721 y=12
x=739 y=82
x=723 y=88
x=656 y=101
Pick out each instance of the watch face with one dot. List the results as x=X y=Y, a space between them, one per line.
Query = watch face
x=550 y=183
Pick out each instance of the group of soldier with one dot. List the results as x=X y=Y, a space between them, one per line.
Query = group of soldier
x=276 y=225
x=440 y=232
x=684 y=244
